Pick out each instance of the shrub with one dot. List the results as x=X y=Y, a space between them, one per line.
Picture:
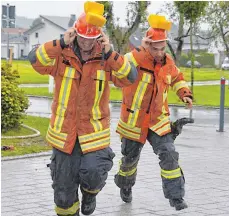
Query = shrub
x=13 y=101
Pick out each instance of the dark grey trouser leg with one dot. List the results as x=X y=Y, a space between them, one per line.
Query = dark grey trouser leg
x=94 y=169
x=65 y=176
x=171 y=173
x=126 y=176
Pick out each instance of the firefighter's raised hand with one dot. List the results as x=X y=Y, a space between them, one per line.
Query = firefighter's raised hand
x=188 y=101
x=104 y=40
x=146 y=41
x=69 y=36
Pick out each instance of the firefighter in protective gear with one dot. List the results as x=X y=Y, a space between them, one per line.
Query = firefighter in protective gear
x=79 y=129
x=145 y=114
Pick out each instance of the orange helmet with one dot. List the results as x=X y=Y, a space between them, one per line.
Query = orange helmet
x=158 y=27
x=157 y=34
x=85 y=29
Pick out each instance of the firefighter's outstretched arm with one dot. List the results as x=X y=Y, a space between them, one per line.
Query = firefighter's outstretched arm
x=180 y=87
x=123 y=73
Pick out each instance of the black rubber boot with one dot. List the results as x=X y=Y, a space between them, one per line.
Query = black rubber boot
x=88 y=203
x=126 y=194
x=179 y=204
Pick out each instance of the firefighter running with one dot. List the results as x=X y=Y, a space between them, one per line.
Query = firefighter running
x=145 y=114
x=79 y=129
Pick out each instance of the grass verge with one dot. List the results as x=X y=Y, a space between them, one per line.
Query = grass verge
x=30 y=145
x=29 y=75
x=204 y=95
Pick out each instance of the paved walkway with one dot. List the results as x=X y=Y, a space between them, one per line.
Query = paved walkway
x=204 y=157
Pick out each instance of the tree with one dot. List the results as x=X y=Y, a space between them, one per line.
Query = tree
x=13 y=100
x=136 y=15
x=177 y=17
x=191 y=10
x=218 y=18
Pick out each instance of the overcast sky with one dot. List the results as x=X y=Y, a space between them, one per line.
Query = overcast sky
x=32 y=8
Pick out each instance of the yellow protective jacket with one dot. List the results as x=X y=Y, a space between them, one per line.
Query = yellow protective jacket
x=145 y=102
x=80 y=106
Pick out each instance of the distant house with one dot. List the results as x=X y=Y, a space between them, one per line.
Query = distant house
x=43 y=29
x=46 y=28
x=17 y=41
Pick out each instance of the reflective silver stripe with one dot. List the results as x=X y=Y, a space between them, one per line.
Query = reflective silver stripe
x=131 y=58
x=138 y=97
x=63 y=99
x=93 y=136
x=54 y=141
x=171 y=174
x=181 y=84
x=95 y=144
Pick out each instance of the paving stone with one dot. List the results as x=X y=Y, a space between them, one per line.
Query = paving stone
x=26 y=183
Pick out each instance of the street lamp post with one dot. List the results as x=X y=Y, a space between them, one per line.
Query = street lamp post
x=7 y=26
x=8 y=15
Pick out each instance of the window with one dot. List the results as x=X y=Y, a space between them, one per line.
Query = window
x=36 y=34
x=61 y=35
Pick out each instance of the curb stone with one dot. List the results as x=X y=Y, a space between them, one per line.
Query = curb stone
x=41 y=154
x=37 y=133
x=119 y=102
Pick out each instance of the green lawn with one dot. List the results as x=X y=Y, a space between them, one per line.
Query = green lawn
x=29 y=75
x=18 y=132
x=204 y=74
x=204 y=95
x=30 y=145
x=37 y=91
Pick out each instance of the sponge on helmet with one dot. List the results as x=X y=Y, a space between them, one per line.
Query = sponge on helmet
x=94 y=7
x=94 y=13
x=156 y=21
x=95 y=19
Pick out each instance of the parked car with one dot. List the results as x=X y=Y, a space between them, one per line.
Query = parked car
x=196 y=64
x=225 y=65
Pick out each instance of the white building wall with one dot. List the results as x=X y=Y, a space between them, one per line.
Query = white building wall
x=3 y=51
x=17 y=47
x=46 y=33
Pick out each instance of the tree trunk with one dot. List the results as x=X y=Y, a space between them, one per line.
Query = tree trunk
x=180 y=42
x=224 y=39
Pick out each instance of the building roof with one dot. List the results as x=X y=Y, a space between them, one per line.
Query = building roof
x=13 y=30
x=15 y=35
x=62 y=22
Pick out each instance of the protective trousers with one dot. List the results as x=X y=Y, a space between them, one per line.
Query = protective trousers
x=69 y=171
x=171 y=173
